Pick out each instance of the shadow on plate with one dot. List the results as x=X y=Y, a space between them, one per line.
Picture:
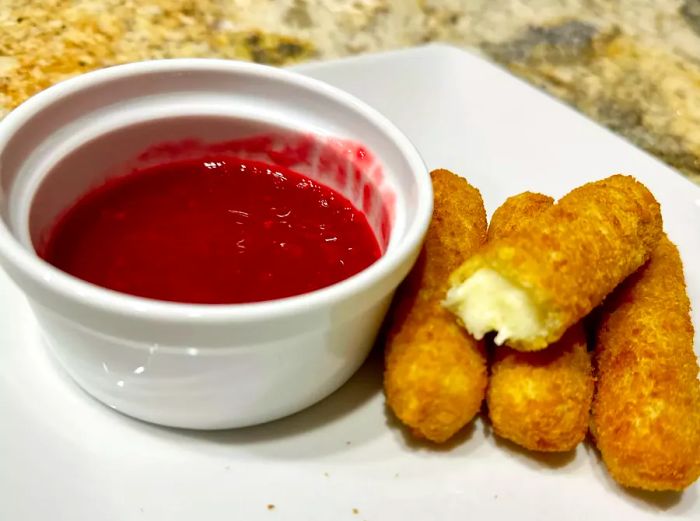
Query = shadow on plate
x=651 y=501
x=552 y=460
x=327 y=427
x=413 y=443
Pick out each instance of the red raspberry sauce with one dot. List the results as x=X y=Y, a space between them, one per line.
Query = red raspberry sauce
x=219 y=230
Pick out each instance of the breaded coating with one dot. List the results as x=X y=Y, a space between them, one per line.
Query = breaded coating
x=646 y=411
x=532 y=286
x=435 y=375
x=515 y=211
x=540 y=400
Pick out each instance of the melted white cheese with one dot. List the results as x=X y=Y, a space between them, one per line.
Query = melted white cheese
x=487 y=301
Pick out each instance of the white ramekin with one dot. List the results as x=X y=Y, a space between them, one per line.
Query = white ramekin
x=199 y=366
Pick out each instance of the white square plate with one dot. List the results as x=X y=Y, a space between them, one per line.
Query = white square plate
x=64 y=456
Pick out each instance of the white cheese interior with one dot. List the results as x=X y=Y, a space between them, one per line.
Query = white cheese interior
x=487 y=301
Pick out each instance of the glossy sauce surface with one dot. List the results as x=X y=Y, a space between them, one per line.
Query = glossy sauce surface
x=219 y=230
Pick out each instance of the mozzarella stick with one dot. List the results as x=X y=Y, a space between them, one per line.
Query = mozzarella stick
x=646 y=411
x=532 y=286
x=511 y=216
x=539 y=400
x=435 y=375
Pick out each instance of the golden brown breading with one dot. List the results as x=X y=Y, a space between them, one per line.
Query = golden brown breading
x=646 y=411
x=540 y=400
x=435 y=374
x=570 y=257
x=515 y=211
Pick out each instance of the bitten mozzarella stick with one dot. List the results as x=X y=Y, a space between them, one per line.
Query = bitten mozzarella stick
x=539 y=400
x=435 y=375
x=646 y=411
x=532 y=286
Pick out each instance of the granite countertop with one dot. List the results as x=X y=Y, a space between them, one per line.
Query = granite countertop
x=633 y=65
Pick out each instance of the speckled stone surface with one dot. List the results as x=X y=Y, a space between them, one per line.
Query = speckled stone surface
x=633 y=65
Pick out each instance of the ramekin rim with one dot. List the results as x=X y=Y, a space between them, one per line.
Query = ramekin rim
x=111 y=301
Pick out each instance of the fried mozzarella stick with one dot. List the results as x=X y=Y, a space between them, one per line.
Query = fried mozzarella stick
x=539 y=400
x=532 y=286
x=646 y=411
x=511 y=216
x=435 y=375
